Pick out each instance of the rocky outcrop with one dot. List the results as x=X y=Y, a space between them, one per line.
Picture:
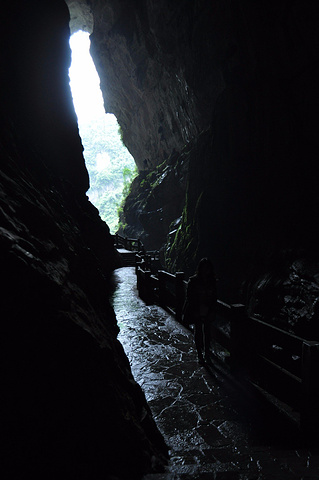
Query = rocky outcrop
x=81 y=17
x=69 y=404
x=69 y=401
x=145 y=57
x=154 y=204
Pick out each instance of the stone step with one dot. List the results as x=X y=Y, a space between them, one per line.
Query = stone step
x=128 y=258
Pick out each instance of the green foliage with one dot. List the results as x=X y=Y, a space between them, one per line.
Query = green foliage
x=181 y=251
x=111 y=167
x=128 y=177
x=120 y=133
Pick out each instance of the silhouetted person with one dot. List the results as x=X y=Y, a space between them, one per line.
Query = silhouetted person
x=200 y=307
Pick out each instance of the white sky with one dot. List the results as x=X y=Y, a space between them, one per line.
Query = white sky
x=84 y=80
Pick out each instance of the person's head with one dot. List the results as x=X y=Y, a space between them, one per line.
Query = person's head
x=205 y=269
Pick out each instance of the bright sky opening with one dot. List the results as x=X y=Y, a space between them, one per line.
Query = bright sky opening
x=84 y=80
x=106 y=157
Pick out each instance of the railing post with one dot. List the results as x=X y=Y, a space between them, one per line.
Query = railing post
x=148 y=294
x=144 y=285
x=309 y=416
x=138 y=279
x=179 y=294
x=138 y=262
x=161 y=287
x=238 y=338
x=148 y=261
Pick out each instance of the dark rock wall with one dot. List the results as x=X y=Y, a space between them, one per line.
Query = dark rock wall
x=34 y=85
x=256 y=196
x=246 y=74
x=218 y=104
x=69 y=404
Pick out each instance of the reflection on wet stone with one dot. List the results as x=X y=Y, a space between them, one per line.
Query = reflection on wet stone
x=209 y=435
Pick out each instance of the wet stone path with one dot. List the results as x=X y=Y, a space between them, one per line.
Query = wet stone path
x=213 y=428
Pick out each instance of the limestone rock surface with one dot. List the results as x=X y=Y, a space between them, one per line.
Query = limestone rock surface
x=69 y=404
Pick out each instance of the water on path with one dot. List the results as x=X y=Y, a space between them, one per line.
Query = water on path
x=212 y=430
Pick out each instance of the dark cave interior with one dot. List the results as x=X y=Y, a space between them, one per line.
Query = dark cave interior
x=218 y=105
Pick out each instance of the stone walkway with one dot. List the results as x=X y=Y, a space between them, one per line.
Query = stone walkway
x=213 y=428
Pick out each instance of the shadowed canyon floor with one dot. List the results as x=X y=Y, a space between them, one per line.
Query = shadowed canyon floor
x=213 y=428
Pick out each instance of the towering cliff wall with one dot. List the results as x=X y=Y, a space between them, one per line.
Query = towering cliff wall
x=217 y=102
x=69 y=404
x=152 y=61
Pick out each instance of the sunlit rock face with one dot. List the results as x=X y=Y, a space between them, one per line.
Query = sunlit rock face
x=150 y=69
x=81 y=17
x=246 y=75
x=69 y=405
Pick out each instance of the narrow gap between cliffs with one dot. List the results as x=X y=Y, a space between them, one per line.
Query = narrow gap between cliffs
x=110 y=166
